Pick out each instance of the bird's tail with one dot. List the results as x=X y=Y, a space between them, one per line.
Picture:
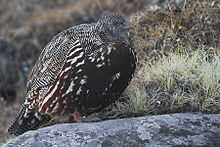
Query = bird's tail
x=23 y=124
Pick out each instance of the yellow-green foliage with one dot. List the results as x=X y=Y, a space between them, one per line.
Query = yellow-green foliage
x=136 y=104
x=193 y=68
x=179 y=60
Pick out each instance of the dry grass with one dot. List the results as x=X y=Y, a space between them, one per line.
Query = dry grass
x=179 y=61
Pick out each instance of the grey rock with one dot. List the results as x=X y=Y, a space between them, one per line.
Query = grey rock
x=158 y=130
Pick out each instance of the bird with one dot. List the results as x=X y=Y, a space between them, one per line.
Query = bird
x=81 y=71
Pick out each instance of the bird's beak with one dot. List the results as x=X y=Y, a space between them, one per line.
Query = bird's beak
x=129 y=26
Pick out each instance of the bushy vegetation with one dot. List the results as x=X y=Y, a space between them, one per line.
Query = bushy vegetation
x=179 y=60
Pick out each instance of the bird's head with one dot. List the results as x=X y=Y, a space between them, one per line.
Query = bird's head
x=113 y=27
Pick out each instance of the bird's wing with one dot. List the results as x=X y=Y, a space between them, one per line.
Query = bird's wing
x=43 y=75
x=50 y=62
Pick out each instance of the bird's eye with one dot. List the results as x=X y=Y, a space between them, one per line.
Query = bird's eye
x=117 y=23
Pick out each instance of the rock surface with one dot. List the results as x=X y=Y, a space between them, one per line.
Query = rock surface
x=160 y=130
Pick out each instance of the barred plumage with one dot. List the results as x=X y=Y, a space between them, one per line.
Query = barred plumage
x=81 y=70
